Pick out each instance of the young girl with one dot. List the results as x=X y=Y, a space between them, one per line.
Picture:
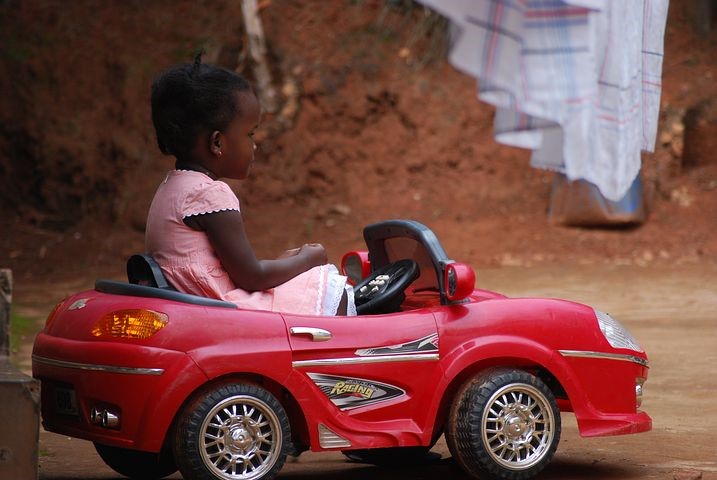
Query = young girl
x=205 y=116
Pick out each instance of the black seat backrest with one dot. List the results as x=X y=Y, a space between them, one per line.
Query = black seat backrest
x=142 y=269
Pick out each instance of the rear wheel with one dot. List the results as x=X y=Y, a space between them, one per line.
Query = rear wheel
x=232 y=432
x=135 y=464
x=505 y=424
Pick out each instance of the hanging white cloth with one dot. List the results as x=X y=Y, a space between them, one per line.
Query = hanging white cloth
x=576 y=81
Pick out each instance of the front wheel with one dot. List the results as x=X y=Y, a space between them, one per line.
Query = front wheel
x=232 y=432
x=504 y=424
x=135 y=464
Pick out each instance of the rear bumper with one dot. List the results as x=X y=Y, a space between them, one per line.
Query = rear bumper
x=143 y=386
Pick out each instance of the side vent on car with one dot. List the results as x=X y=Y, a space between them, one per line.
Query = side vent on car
x=330 y=439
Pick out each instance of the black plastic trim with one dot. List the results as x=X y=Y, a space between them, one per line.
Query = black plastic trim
x=129 y=289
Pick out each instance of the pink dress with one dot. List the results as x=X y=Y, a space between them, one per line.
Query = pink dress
x=191 y=266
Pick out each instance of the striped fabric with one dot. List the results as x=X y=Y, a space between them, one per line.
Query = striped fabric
x=576 y=81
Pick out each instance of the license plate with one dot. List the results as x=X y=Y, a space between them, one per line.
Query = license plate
x=66 y=401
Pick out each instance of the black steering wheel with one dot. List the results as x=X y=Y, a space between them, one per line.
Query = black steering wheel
x=382 y=291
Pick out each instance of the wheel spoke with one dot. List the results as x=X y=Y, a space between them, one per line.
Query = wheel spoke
x=213 y=443
x=500 y=446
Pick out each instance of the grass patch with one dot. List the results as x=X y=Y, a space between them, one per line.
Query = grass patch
x=21 y=328
x=44 y=452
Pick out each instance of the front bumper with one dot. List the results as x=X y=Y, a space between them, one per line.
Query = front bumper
x=602 y=425
x=602 y=391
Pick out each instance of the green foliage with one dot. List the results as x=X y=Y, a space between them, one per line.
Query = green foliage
x=399 y=23
x=692 y=61
x=20 y=46
x=428 y=35
x=188 y=49
x=14 y=51
x=21 y=328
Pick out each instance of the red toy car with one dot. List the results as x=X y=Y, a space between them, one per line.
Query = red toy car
x=161 y=380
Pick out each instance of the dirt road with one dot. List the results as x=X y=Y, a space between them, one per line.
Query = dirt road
x=673 y=313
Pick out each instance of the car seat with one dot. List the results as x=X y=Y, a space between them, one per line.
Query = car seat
x=142 y=269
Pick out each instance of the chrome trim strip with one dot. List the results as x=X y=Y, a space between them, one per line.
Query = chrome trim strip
x=419 y=357
x=98 y=368
x=605 y=356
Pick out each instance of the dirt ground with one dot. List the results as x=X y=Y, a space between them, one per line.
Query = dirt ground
x=670 y=310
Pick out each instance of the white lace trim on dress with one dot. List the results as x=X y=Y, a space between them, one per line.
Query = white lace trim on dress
x=211 y=211
x=351 y=305
x=320 y=292
x=194 y=171
x=335 y=286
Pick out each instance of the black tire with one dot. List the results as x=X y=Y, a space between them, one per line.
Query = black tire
x=135 y=464
x=503 y=424
x=249 y=432
x=394 y=456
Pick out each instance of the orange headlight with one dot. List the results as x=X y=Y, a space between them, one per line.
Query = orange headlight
x=131 y=323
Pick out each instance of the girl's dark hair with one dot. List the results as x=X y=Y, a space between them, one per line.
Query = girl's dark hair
x=190 y=99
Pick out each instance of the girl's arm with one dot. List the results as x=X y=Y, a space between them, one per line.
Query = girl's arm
x=228 y=238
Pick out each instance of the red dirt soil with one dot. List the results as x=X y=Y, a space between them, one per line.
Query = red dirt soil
x=377 y=131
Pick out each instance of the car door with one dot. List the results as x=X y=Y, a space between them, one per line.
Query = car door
x=368 y=362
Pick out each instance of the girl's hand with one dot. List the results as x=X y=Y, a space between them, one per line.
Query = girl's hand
x=226 y=233
x=290 y=253
x=315 y=254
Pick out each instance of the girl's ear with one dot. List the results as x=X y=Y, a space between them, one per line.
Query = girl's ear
x=215 y=143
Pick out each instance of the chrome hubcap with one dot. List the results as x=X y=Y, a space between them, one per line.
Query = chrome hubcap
x=518 y=426
x=240 y=438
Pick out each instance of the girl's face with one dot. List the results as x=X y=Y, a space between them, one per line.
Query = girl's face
x=237 y=143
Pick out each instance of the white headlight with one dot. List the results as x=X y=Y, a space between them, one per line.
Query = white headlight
x=615 y=333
